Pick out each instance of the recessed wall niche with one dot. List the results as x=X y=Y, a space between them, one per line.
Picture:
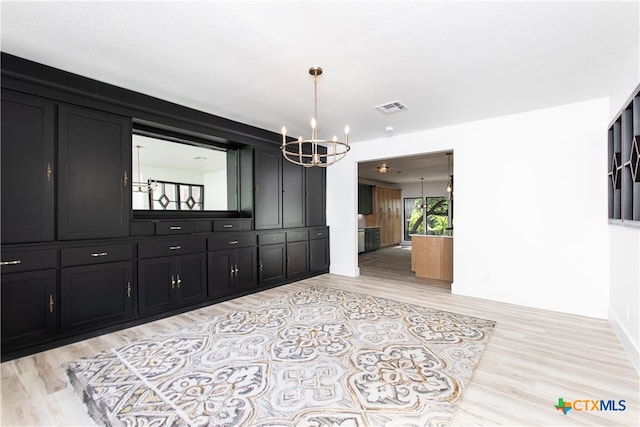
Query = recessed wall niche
x=624 y=162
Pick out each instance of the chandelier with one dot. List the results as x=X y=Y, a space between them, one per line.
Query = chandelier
x=314 y=151
x=139 y=186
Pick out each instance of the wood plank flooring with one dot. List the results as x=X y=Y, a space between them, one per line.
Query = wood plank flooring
x=533 y=358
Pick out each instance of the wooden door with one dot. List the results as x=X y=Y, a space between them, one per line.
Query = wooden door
x=191 y=279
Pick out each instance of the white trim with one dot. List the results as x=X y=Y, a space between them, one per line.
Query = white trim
x=626 y=340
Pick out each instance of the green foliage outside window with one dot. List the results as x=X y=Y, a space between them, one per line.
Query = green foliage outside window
x=436 y=215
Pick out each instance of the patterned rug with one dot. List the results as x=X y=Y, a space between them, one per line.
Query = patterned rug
x=319 y=357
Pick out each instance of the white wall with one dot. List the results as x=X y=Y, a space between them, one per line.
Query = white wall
x=625 y=288
x=544 y=241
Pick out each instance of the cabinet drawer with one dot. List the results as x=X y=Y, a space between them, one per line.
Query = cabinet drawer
x=16 y=261
x=319 y=233
x=271 y=238
x=95 y=255
x=232 y=225
x=170 y=248
x=230 y=242
x=174 y=227
x=297 y=236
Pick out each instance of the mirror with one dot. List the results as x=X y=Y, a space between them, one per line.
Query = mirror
x=181 y=176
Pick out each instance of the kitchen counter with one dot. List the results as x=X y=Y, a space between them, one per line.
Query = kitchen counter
x=432 y=256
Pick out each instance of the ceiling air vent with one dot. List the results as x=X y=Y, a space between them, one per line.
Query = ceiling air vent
x=392 y=107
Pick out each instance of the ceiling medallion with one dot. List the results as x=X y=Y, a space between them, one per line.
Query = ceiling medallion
x=314 y=151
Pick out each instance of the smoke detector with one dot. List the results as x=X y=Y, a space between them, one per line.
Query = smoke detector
x=392 y=107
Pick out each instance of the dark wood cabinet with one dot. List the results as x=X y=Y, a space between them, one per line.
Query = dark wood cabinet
x=170 y=282
x=293 y=195
x=94 y=296
x=272 y=258
x=171 y=274
x=297 y=259
x=28 y=168
x=316 y=205
x=231 y=271
x=94 y=182
x=29 y=308
x=267 y=190
x=365 y=199
x=319 y=250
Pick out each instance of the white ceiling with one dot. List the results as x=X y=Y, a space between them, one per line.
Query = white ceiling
x=450 y=62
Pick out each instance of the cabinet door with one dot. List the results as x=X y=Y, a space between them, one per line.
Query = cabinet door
x=29 y=308
x=246 y=265
x=156 y=285
x=93 y=296
x=27 y=168
x=316 y=206
x=273 y=266
x=221 y=273
x=268 y=190
x=94 y=191
x=297 y=259
x=293 y=195
x=191 y=279
x=318 y=255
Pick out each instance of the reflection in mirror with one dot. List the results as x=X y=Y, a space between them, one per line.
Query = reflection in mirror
x=170 y=175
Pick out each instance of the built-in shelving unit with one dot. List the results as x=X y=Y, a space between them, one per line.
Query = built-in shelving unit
x=624 y=162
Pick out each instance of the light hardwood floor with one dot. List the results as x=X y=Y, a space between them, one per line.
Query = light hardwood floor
x=533 y=358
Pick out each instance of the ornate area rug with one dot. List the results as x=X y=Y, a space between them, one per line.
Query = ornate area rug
x=319 y=357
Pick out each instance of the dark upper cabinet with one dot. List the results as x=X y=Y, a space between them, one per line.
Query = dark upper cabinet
x=293 y=195
x=94 y=179
x=267 y=190
x=29 y=308
x=316 y=205
x=95 y=296
x=365 y=199
x=28 y=168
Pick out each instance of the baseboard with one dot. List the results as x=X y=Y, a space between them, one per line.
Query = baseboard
x=345 y=270
x=630 y=347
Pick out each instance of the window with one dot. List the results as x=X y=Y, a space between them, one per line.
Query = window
x=436 y=214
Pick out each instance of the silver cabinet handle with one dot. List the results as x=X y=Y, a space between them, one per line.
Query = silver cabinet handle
x=227 y=226
x=173 y=282
x=175 y=227
x=233 y=242
x=175 y=248
x=179 y=281
x=236 y=271
x=318 y=234
x=99 y=254
x=14 y=262
x=232 y=270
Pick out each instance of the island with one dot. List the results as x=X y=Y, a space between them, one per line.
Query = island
x=432 y=256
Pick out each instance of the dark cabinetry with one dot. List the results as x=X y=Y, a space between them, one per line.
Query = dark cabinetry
x=365 y=199
x=232 y=264
x=94 y=191
x=287 y=195
x=29 y=298
x=297 y=254
x=171 y=274
x=371 y=239
x=267 y=190
x=319 y=249
x=316 y=201
x=27 y=168
x=272 y=256
x=293 y=195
